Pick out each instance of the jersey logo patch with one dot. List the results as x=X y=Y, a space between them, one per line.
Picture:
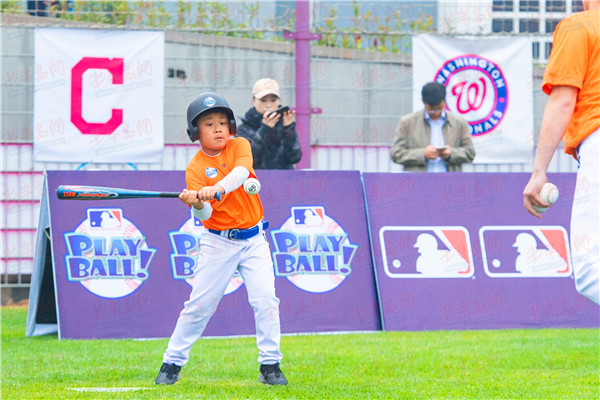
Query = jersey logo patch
x=211 y=172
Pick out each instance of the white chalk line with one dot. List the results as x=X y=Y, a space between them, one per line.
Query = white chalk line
x=107 y=389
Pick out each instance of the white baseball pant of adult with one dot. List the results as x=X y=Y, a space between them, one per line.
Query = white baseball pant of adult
x=218 y=259
x=585 y=217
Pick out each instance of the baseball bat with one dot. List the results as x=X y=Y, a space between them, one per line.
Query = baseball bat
x=73 y=192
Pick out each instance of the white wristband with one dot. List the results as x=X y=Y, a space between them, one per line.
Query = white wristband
x=203 y=214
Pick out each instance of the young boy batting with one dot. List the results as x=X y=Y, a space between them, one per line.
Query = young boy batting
x=233 y=239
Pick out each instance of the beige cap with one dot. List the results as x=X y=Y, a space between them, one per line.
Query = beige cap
x=265 y=86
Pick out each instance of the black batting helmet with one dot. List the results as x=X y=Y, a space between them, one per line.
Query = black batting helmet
x=204 y=103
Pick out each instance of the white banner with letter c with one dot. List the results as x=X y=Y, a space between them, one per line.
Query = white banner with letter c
x=98 y=96
x=489 y=83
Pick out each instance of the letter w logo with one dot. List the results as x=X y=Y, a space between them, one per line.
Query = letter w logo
x=115 y=67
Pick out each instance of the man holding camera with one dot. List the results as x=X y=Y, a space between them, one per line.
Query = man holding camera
x=270 y=129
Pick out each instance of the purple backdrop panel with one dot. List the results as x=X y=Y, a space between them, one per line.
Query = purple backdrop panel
x=123 y=268
x=321 y=250
x=120 y=265
x=459 y=251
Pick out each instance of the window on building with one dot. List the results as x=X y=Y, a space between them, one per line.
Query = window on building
x=556 y=6
x=551 y=25
x=547 y=50
x=577 y=6
x=502 y=5
x=502 y=25
x=529 y=25
x=535 y=50
x=529 y=5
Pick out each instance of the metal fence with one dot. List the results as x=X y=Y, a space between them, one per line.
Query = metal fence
x=360 y=89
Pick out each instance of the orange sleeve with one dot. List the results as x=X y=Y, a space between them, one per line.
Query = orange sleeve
x=194 y=180
x=243 y=154
x=568 y=61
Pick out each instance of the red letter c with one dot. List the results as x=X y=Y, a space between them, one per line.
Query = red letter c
x=115 y=67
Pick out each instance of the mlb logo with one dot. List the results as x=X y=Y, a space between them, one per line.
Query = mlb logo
x=525 y=251
x=211 y=172
x=426 y=252
x=309 y=216
x=105 y=218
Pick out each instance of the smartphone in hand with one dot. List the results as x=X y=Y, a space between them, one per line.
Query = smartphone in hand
x=282 y=110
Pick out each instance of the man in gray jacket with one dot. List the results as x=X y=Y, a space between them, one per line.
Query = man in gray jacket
x=433 y=139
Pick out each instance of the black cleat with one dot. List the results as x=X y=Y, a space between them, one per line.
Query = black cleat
x=168 y=375
x=271 y=375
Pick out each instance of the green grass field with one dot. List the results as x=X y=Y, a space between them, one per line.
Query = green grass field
x=503 y=364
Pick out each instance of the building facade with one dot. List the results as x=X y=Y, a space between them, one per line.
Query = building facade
x=534 y=18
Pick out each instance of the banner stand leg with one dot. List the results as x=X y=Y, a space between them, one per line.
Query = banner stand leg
x=42 y=311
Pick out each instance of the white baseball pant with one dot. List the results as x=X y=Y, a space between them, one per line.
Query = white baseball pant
x=585 y=220
x=218 y=259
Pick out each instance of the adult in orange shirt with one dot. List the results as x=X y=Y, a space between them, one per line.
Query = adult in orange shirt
x=233 y=239
x=572 y=80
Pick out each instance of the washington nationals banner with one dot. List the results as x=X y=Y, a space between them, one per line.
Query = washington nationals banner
x=98 y=96
x=489 y=83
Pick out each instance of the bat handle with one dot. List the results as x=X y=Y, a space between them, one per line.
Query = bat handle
x=217 y=196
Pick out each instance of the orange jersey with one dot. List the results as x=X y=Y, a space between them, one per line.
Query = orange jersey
x=575 y=61
x=237 y=209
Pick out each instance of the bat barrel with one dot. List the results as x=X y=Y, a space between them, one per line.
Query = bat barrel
x=72 y=192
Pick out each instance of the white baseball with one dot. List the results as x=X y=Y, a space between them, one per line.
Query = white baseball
x=549 y=194
x=252 y=186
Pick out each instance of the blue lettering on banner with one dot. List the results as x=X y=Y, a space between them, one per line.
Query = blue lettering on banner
x=296 y=254
x=186 y=247
x=96 y=257
x=183 y=260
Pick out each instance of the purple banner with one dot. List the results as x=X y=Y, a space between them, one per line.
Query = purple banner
x=459 y=251
x=124 y=268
